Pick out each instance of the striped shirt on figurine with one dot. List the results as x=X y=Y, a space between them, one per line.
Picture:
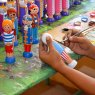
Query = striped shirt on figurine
x=8 y=37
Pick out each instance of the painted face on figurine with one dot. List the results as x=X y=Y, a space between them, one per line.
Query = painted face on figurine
x=34 y=9
x=12 y=15
x=11 y=12
x=7 y=28
x=27 y=20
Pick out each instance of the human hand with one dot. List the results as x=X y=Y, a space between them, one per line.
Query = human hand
x=79 y=45
x=72 y=32
x=49 y=55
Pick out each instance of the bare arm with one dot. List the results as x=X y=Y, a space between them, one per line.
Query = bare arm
x=84 y=82
x=91 y=54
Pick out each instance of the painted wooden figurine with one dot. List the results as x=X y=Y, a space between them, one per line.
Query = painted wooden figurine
x=34 y=14
x=65 y=7
x=66 y=57
x=29 y=2
x=11 y=13
x=58 y=9
x=8 y=35
x=27 y=36
x=50 y=10
x=2 y=15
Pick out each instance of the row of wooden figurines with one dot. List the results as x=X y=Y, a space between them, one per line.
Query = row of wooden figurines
x=30 y=35
x=10 y=32
x=8 y=36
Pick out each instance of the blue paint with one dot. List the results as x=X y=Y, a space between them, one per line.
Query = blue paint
x=58 y=47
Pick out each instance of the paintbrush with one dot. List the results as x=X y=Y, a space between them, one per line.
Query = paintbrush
x=76 y=34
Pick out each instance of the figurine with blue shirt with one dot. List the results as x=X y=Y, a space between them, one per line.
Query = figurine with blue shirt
x=8 y=37
x=27 y=36
x=34 y=9
x=11 y=13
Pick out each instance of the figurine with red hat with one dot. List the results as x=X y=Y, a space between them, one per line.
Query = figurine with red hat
x=12 y=15
x=33 y=10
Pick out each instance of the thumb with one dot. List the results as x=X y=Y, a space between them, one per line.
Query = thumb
x=49 y=43
x=76 y=39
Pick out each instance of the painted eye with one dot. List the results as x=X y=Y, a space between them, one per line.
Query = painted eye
x=13 y=14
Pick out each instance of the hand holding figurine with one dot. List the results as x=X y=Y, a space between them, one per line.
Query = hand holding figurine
x=50 y=46
x=51 y=57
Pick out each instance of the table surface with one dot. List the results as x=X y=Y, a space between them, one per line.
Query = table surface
x=27 y=73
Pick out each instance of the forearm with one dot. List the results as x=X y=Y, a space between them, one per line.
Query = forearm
x=83 y=81
x=91 y=53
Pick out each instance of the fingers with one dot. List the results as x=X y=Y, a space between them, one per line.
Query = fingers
x=68 y=34
x=41 y=46
x=67 y=43
x=76 y=39
x=71 y=45
x=46 y=48
x=72 y=32
x=71 y=38
x=49 y=43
